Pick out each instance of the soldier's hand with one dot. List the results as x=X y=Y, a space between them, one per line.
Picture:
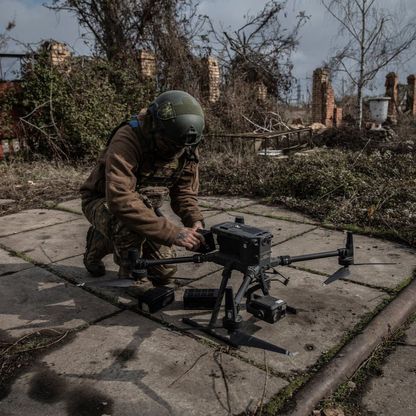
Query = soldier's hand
x=189 y=238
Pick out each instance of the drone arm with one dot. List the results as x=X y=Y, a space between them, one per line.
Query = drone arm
x=196 y=258
x=345 y=255
x=286 y=260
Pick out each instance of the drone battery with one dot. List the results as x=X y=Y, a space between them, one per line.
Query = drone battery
x=200 y=298
x=266 y=308
x=247 y=245
x=155 y=299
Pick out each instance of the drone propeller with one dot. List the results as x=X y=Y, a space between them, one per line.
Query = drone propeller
x=344 y=271
x=340 y=273
x=240 y=339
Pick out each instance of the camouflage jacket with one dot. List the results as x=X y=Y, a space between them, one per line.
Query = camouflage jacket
x=127 y=165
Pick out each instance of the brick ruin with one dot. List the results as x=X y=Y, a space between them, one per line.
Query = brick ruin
x=147 y=65
x=392 y=91
x=411 y=95
x=324 y=109
x=210 y=79
x=261 y=91
x=58 y=52
x=402 y=96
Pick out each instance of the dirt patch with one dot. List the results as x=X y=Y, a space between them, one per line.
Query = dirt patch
x=19 y=355
x=87 y=401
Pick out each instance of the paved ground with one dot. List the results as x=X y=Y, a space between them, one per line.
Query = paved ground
x=122 y=363
x=393 y=392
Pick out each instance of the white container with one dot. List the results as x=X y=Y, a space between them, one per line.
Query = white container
x=378 y=110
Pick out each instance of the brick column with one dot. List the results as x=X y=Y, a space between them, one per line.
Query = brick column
x=337 y=116
x=147 y=65
x=328 y=104
x=317 y=96
x=58 y=52
x=411 y=94
x=261 y=91
x=323 y=99
x=392 y=91
x=210 y=79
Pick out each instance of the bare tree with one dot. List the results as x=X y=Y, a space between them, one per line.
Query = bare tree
x=4 y=37
x=373 y=38
x=260 y=50
x=121 y=27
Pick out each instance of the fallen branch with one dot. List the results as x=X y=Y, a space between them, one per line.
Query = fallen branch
x=188 y=370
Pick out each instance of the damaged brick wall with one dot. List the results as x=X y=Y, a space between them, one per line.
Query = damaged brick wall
x=324 y=109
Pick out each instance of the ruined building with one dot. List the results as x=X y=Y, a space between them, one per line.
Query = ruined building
x=324 y=109
x=402 y=96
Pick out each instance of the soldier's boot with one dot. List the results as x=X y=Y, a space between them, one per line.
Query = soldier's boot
x=98 y=246
x=160 y=275
x=124 y=268
x=140 y=285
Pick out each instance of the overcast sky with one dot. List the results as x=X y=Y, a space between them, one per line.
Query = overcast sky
x=34 y=22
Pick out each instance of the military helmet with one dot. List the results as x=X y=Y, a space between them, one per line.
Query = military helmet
x=178 y=117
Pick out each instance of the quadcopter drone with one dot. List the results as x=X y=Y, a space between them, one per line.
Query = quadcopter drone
x=240 y=247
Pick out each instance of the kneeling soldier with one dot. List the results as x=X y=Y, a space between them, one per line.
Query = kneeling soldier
x=147 y=158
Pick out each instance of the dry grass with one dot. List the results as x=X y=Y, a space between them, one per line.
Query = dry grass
x=39 y=184
x=376 y=192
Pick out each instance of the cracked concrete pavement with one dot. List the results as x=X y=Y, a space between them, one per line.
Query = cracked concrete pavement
x=121 y=361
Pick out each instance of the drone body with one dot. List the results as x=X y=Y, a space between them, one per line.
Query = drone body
x=240 y=247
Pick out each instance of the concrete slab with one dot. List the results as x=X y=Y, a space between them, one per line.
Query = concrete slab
x=224 y=202
x=366 y=250
x=325 y=314
x=73 y=205
x=393 y=393
x=35 y=299
x=11 y=264
x=33 y=219
x=128 y=365
x=50 y=244
x=277 y=211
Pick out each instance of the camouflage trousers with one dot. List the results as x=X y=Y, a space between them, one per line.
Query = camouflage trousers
x=122 y=239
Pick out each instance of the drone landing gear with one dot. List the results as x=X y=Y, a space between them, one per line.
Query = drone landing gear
x=232 y=320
